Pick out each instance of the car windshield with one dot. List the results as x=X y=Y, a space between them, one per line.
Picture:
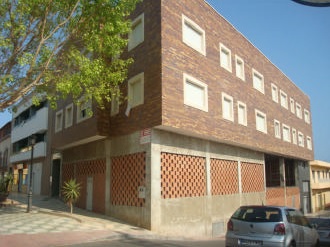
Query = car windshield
x=258 y=214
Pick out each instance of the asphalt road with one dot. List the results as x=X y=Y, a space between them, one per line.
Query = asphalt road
x=152 y=243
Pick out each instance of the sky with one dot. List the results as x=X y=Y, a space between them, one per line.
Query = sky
x=295 y=38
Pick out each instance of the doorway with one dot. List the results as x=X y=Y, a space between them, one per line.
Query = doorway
x=56 y=178
x=89 y=196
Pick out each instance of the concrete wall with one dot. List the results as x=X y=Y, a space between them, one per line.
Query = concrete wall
x=190 y=216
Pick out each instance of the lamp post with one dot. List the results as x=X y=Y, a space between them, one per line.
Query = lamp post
x=33 y=141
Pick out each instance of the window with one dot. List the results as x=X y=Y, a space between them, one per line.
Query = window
x=136 y=90
x=301 y=141
x=284 y=99
x=258 y=81
x=242 y=113
x=84 y=110
x=227 y=107
x=294 y=136
x=274 y=93
x=298 y=111
x=292 y=108
x=225 y=57
x=307 y=116
x=59 y=121
x=240 y=72
x=261 y=121
x=309 y=142
x=277 y=129
x=195 y=93
x=286 y=133
x=68 y=116
x=193 y=35
x=136 y=36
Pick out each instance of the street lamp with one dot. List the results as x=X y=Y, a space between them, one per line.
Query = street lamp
x=33 y=142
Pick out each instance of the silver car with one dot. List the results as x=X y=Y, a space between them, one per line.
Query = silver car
x=270 y=226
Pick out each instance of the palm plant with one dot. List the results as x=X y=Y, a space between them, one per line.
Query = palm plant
x=71 y=192
x=5 y=186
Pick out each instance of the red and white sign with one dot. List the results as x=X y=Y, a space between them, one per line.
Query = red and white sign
x=145 y=136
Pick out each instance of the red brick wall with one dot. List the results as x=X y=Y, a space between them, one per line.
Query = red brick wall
x=276 y=196
x=147 y=59
x=182 y=176
x=95 y=169
x=224 y=177
x=252 y=177
x=178 y=58
x=127 y=174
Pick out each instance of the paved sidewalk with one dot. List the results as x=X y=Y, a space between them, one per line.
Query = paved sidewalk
x=50 y=224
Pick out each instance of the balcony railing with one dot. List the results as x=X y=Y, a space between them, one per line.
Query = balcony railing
x=25 y=154
x=321 y=184
x=35 y=124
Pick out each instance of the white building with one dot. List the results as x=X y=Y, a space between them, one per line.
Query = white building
x=29 y=122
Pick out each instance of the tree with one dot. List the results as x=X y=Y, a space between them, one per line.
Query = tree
x=71 y=192
x=63 y=47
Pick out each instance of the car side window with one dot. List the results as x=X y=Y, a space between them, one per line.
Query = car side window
x=296 y=217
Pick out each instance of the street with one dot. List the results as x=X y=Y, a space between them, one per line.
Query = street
x=151 y=243
x=49 y=224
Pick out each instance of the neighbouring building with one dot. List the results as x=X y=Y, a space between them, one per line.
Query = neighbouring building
x=30 y=122
x=320 y=185
x=210 y=124
x=5 y=132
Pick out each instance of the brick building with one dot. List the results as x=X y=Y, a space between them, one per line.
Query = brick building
x=210 y=124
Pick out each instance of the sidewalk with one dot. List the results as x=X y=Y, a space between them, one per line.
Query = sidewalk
x=50 y=224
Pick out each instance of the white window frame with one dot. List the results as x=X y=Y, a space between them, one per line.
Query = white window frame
x=256 y=74
x=307 y=116
x=274 y=93
x=137 y=80
x=68 y=116
x=227 y=100
x=294 y=136
x=284 y=99
x=301 y=139
x=277 y=129
x=85 y=108
x=241 y=114
x=298 y=110
x=259 y=115
x=188 y=23
x=187 y=79
x=286 y=133
x=239 y=63
x=309 y=142
x=132 y=42
x=225 y=55
x=292 y=106
x=59 y=121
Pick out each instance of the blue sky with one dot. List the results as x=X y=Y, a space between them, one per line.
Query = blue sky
x=296 y=38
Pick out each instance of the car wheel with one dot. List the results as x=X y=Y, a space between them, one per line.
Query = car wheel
x=317 y=243
x=292 y=244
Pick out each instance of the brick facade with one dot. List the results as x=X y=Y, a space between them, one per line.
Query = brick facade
x=194 y=161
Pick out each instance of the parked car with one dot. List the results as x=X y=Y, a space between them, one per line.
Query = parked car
x=322 y=225
x=271 y=226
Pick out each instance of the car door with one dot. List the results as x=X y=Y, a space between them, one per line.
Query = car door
x=297 y=230
x=309 y=232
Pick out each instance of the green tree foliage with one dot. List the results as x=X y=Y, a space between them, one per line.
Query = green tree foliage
x=63 y=47
x=71 y=192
